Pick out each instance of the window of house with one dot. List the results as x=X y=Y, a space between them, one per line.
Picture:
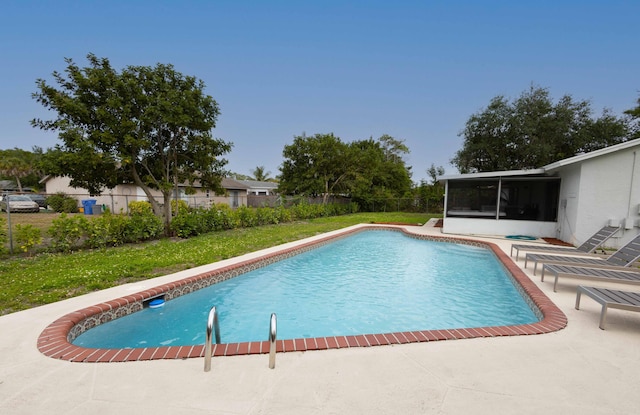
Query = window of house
x=530 y=198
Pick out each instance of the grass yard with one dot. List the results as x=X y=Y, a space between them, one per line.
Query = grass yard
x=32 y=281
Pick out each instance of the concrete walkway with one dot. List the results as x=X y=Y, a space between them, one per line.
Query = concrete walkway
x=581 y=370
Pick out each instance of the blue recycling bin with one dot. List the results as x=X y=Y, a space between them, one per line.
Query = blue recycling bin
x=87 y=206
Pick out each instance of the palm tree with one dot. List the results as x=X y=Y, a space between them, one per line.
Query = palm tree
x=260 y=175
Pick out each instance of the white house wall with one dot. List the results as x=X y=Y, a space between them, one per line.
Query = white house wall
x=471 y=226
x=566 y=227
x=608 y=192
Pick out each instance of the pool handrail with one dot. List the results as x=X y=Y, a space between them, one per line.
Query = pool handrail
x=212 y=325
x=273 y=331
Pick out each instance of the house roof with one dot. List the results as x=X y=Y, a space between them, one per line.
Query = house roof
x=259 y=184
x=228 y=183
x=592 y=154
x=545 y=170
x=492 y=174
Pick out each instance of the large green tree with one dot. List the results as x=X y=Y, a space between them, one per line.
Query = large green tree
x=325 y=165
x=533 y=131
x=380 y=171
x=150 y=126
x=314 y=166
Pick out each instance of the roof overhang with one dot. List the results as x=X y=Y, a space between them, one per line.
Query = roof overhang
x=493 y=174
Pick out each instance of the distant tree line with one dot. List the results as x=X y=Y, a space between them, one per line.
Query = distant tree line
x=533 y=131
x=152 y=126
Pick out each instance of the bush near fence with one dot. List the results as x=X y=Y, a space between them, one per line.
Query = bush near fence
x=67 y=232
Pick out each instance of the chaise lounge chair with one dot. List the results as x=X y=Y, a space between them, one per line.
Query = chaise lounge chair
x=586 y=248
x=623 y=300
x=596 y=274
x=621 y=259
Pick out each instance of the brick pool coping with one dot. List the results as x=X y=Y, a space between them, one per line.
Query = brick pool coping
x=55 y=340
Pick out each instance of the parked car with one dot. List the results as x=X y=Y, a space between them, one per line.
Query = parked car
x=41 y=200
x=18 y=203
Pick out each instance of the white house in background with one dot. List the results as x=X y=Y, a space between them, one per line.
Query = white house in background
x=569 y=200
x=118 y=199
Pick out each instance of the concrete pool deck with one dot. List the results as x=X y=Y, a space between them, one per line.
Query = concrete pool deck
x=580 y=369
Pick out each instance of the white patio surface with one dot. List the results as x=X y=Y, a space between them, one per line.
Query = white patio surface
x=578 y=370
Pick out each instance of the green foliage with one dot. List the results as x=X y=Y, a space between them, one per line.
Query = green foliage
x=220 y=217
x=47 y=278
x=151 y=126
x=533 y=131
x=318 y=165
x=62 y=203
x=66 y=232
x=324 y=165
x=72 y=232
x=27 y=236
x=109 y=230
x=246 y=217
x=143 y=224
x=179 y=206
x=4 y=237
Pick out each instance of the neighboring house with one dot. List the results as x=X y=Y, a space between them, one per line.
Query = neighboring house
x=569 y=199
x=118 y=198
x=259 y=188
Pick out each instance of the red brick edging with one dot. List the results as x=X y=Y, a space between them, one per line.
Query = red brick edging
x=55 y=340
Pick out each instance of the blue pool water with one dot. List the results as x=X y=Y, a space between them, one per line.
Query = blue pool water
x=370 y=282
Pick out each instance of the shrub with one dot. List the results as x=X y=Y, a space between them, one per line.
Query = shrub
x=179 y=206
x=108 y=230
x=4 y=239
x=61 y=202
x=186 y=224
x=66 y=232
x=28 y=236
x=143 y=224
x=246 y=217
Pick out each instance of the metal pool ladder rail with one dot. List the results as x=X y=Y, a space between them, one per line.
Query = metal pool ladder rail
x=212 y=324
x=273 y=331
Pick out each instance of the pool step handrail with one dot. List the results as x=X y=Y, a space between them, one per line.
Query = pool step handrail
x=212 y=325
x=273 y=331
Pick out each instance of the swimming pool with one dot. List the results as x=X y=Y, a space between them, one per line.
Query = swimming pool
x=374 y=281
x=73 y=325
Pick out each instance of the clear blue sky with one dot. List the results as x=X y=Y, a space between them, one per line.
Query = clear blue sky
x=416 y=70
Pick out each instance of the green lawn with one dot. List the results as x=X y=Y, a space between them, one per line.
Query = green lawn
x=46 y=278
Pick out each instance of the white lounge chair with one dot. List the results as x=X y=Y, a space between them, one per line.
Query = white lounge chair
x=621 y=259
x=623 y=300
x=587 y=248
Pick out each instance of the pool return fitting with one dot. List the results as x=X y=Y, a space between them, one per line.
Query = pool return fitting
x=214 y=326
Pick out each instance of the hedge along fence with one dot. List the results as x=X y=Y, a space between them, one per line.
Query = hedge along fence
x=68 y=233
x=191 y=222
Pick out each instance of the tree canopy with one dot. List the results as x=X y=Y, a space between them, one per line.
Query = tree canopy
x=533 y=131
x=19 y=165
x=260 y=174
x=325 y=165
x=634 y=114
x=150 y=126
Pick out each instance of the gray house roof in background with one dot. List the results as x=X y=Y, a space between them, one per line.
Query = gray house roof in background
x=258 y=184
x=232 y=184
